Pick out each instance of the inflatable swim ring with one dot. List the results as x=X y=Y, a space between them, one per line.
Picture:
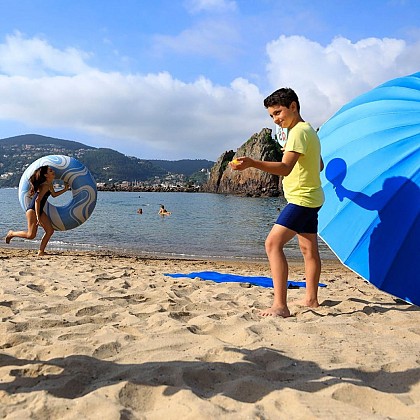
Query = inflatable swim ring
x=83 y=188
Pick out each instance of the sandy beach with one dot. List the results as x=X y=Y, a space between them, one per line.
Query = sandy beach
x=104 y=336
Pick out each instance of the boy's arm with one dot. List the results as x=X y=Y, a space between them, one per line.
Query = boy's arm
x=282 y=168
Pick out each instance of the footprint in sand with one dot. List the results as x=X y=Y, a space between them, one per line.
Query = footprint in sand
x=107 y=350
x=72 y=336
x=104 y=277
x=180 y=315
x=196 y=330
x=36 y=287
x=369 y=400
x=73 y=295
x=139 y=397
x=134 y=299
x=25 y=273
x=92 y=310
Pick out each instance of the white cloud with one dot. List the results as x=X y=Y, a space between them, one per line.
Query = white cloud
x=197 y=6
x=326 y=78
x=36 y=58
x=154 y=111
x=172 y=119
x=207 y=38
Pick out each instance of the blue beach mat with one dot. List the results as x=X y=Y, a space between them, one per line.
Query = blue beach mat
x=234 y=278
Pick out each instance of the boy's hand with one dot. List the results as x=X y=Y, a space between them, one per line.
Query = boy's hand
x=241 y=163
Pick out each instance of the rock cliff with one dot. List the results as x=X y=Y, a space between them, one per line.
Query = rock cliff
x=251 y=182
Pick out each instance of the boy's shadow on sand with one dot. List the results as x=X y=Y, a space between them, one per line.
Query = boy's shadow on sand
x=386 y=248
x=261 y=372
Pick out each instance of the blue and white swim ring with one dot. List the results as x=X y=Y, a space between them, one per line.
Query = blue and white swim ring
x=83 y=188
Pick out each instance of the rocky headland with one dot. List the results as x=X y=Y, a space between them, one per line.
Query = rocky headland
x=250 y=182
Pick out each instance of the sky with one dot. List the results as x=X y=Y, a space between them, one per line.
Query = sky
x=186 y=79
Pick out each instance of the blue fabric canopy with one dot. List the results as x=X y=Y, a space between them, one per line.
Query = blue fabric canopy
x=371 y=215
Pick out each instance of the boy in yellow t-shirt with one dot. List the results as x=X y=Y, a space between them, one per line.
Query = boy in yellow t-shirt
x=300 y=168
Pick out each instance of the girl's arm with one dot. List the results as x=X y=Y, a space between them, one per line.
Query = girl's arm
x=55 y=193
x=43 y=188
x=38 y=210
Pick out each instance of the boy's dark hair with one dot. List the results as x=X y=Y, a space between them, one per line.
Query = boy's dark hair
x=282 y=97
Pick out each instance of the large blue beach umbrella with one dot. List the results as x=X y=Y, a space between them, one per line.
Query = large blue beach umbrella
x=370 y=218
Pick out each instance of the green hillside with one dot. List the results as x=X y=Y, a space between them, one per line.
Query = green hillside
x=184 y=166
x=106 y=165
x=42 y=141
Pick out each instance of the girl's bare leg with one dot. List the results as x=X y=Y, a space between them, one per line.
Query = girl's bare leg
x=49 y=230
x=9 y=236
x=26 y=234
x=274 y=244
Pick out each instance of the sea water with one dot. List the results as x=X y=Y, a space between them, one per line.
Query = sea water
x=200 y=225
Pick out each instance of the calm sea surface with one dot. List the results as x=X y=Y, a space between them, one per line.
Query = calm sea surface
x=201 y=225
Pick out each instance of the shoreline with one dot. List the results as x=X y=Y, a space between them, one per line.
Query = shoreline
x=31 y=249
x=98 y=335
x=292 y=256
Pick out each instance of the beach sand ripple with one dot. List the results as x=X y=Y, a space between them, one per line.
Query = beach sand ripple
x=90 y=336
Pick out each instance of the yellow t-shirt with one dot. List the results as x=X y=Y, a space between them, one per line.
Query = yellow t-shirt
x=303 y=185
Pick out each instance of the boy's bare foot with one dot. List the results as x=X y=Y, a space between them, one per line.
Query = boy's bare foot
x=276 y=311
x=306 y=302
x=8 y=237
x=42 y=254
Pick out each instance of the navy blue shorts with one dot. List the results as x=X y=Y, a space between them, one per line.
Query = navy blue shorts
x=299 y=219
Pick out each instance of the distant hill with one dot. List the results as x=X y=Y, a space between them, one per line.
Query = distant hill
x=38 y=140
x=184 y=166
x=106 y=165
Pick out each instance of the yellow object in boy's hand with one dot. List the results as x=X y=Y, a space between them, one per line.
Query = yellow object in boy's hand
x=235 y=161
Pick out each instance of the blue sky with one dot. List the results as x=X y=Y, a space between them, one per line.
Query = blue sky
x=168 y=79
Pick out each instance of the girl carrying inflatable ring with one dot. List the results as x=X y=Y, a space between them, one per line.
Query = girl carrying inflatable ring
x=41 y=188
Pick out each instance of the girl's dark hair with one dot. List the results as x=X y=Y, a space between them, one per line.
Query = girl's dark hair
x=282 y=97
x=37 y=178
